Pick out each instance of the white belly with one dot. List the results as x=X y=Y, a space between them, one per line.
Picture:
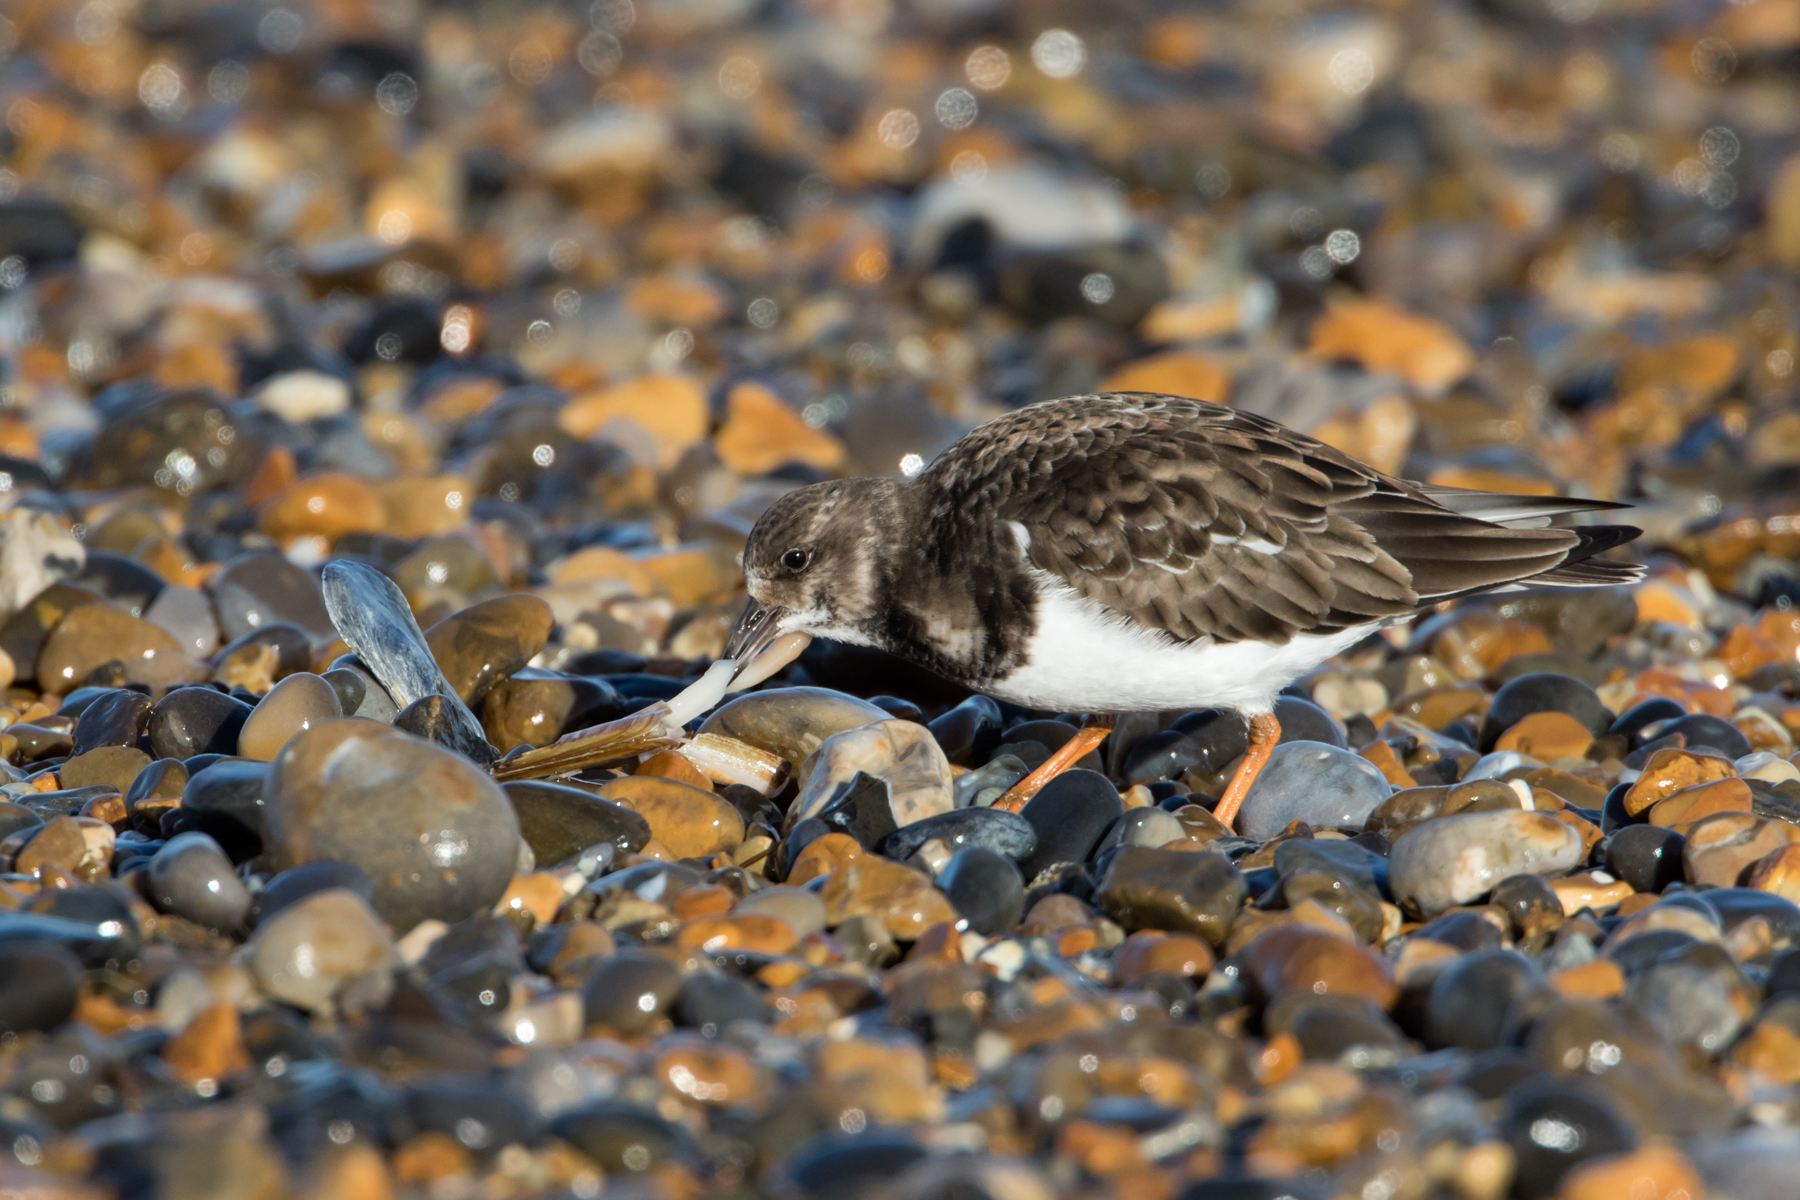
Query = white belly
x=1084 y=660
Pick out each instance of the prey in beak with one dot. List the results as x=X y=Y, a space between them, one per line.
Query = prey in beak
x=759 y=647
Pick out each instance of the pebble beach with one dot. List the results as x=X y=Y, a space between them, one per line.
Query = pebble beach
x=388 y=389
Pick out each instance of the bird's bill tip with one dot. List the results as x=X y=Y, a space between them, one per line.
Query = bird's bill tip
x=759 y=646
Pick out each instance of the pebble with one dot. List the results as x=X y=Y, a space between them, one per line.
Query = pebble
x=985 y=888
x=560 y=822
x=40 y=983
x=791 y=722
x=294 y=705
x=487 y=642
x=690 y=822
x=435 y=834
x=1069 y=817
x=1171 y=889
x=326 y=951
x=1458 y=859
x=192 y=878
x=95 y=634
x=1312 y=782
x=115 y=718
x=903 y=755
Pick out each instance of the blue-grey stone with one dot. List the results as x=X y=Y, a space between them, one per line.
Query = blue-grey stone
x=1312 y=782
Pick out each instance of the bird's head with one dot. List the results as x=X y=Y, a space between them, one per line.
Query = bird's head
x=812 y=567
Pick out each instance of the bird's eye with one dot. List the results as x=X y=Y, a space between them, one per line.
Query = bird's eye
x=796 y=560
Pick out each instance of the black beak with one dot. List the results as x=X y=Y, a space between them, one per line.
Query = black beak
x=758 y=627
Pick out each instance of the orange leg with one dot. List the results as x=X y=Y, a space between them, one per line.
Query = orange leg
x=1265 y=731
x=1093 y=731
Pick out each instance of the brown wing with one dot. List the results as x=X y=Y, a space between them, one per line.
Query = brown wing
x=1205 y=521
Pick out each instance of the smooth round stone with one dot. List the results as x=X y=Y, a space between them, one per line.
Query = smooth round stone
x=1356 y=863
x=1530 y=903
x=984 y=888
x=95 y=634
x=1294 y=956
x=297 y=883
x=261 y=589
x=1176 y=890
x=559 y=822
x=163 y=780
x=449 y=562
x=486 y=642
x=791 y=722
x=1330 y=1025
x=710 y=1001
x=1691 y=1005
x=534 y=707
x=377 y=703
x=436 y=719
x=1721 y=848
x=1467 y=1005
x=129 y=584
x=690 y=822
x=1207 y=741
x=23 y=635
x=1312 y=782
x=311 y=952
x=296 y=704
x=1543 y=691
x=1738 y=904
x=226 y=801
x=115 y=718
x=800 y=909
x=1359 y=907
x=985 y=785
x=901 y=754
x=1458 y=859
x=113 y=767
x=192 y=878
x=186 y=615
x=1553 y=1127
x=630 y=992
x=831 y=1166
x=969 y=732
x=37 y=742
x=1303 y=721
x=1646 y=712
x=434 y=832
x=196 y=720
x=1150 y=827
x=1706 y=732
x=1003 y=832
x=349 y=688
x=39 y=984
x=291 y=644
x=1648 y=857
x=1069 y=817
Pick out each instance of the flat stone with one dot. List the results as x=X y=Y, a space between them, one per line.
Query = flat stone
x=1312 y=782
x=225 y=800
x=1702 y=800
x=791 y=722
x=292 y=706
x=1458 y=859
x=1670 y=770
x=559 y=822
x=487 y=642
x=690 y=822
x=113 y=767
x=900 y=898
x=1175 y=890
x=798 y=908
x=315 y=952
x=192 y=878
x=533 y=707
x=1547 y=736
x=258 y=589
x=1468 y=1004
x=436 y=835
x=94 y=634
x=186 y=615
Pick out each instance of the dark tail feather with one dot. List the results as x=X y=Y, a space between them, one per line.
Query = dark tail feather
x=1582 y=569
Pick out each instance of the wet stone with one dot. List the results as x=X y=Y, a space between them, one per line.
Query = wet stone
x=97 y=634
x=1706 y=733
x=1354 y=862
x=39 y=983
x=985 y=888
x=326 y=951
x=436 y=719
x=690 y=822
x=487 y=642
x=256 y=590
x=970 y=732
x=1330 y=1025
x=23 y=635
x=14 y=817
x=799 y=909
x=862 y=808
x=291 y=644
x=534 y=707
x=559 y=822
x=297 y=703
x=191 y=877
x=186 y=615
x=1173 y=890
x=1360 y=908
x=995 y=829
x=1293 y=957
x=901 y=899
x=114 y=719
x=1720 y=849
x=435 y=834
x=1668 y=771
x=226 y=801
x=1069 y=817
x=1303 y=721
x=791 y=722
x=630 y=993
x=1458 y=859
x=1554 y=1127
x=1149 y=827
x=376 y=704
x=1312 y=782
x=1543 y=692
x=1206 y=741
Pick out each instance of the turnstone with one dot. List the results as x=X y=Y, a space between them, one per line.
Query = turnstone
x=1130 y=552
